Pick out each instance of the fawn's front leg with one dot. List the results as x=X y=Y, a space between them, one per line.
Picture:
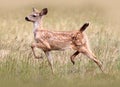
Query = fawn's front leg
x=50 y=60
x=42 y=41
x=38 y=45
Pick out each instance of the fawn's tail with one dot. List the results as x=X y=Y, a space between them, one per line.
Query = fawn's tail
x=84 y=27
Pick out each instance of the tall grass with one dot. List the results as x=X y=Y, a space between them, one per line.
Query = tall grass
x=18 y=66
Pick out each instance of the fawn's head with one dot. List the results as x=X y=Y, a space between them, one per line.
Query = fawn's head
x=36 y=15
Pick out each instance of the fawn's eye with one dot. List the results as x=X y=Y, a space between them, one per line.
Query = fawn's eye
x=33 y=15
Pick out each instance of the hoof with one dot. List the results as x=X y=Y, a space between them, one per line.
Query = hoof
x=73 y=62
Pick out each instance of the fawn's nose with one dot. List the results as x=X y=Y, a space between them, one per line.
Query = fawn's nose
x=26 y=18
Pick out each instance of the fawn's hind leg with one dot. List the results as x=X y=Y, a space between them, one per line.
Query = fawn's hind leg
x=90 y=55
x=73 y=57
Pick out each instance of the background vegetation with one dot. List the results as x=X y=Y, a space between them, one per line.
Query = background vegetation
x=17 y=64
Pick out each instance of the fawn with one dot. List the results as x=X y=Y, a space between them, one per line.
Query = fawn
x=59 y=40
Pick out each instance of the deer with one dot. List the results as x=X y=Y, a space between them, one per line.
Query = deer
x=48 y=41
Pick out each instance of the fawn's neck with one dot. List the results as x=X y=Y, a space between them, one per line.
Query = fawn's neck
x=37 y=26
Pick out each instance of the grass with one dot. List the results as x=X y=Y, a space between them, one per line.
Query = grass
x=18 y=66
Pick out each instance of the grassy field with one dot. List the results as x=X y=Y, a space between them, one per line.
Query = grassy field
x=18 y=66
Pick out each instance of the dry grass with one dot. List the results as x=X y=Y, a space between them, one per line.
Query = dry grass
x=18 y=66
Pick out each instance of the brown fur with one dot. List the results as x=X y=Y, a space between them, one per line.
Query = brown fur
x=57 y=40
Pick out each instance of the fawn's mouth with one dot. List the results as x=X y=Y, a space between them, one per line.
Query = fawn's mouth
x=27 y=19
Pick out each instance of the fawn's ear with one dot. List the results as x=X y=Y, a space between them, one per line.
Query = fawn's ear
x=35 y=10
x=44 y=11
